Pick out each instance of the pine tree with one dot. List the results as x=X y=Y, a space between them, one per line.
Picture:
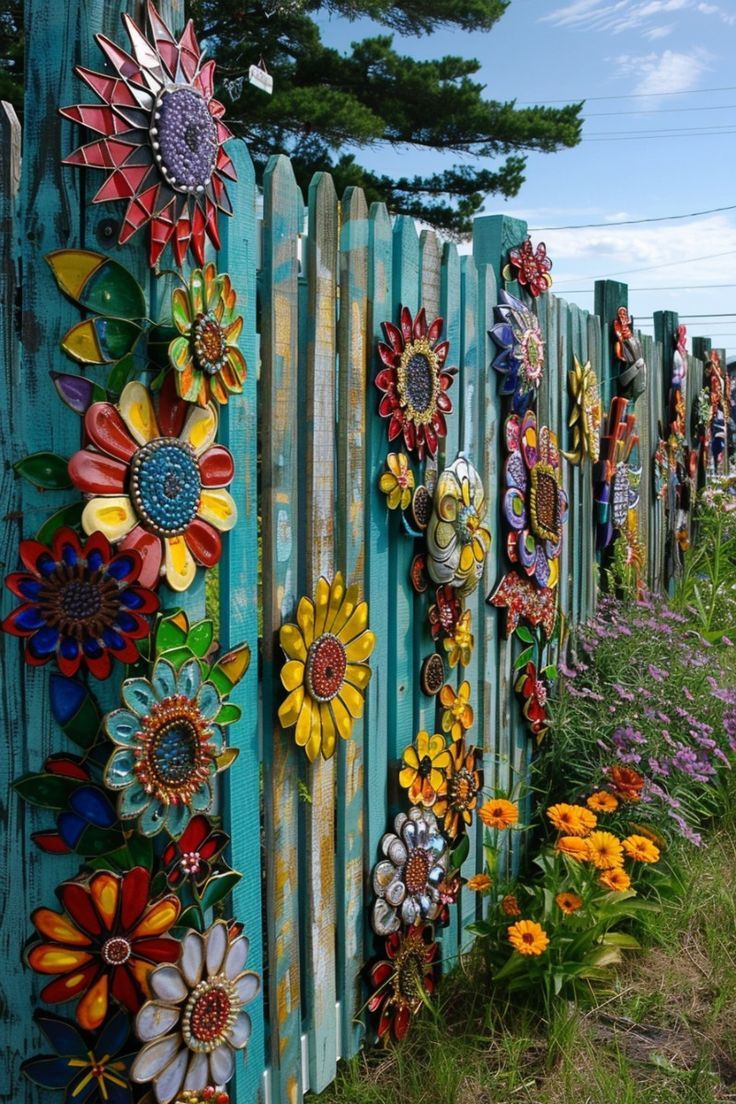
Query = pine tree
x=327 y=106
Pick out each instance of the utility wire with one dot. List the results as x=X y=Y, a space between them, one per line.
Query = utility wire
x=635 y=222
x=666 y=287
x=658 y=111
x=658 y=137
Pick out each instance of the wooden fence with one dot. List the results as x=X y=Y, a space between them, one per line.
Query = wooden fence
x=309 y=449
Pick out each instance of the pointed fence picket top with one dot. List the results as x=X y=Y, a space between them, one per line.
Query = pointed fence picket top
x=309 y=449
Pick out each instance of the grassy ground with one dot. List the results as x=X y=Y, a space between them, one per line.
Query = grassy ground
x=666 y=1035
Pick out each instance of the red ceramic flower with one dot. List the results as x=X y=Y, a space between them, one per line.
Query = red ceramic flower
x=445 y=612
x=105 y=943
x=82 y=605
x=403 y=979
x=532 y=690
x=530 y=267
x=521 y=598
x=162 y=138
x=192 y=855
x=156 y=481
x=414 y=382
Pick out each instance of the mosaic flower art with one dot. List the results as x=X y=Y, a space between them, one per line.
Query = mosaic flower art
x=156 y=481
x=104 y=944
x=632 y=379
x=85 y=1069
x=406 y=880
x=457 y=712
x=459 y=643
x=445 y=612
x=167 y=746
x=82 y=604
x=534 y=505
x=532 y=690
x=403 y=980
x=205 y=356
x=326 y=671
x=521 y=353
x=162 y=138
x=616 y=479
x=586 y=414
x=454 y=808
x=424 y=765
x=521 y=598
x=457 y=540
x=397 y=483
x=196 y=1019
x=530 y=266
x=414 y=382
x=193 y=856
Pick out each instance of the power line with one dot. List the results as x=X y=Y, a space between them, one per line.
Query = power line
x=659 y=136
x=658 y=111
x=629 y=96
x=680 y=130
x=635 y=222
x=666 y=287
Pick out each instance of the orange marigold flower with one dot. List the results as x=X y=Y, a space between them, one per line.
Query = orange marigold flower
x=605 y=850
x=528 y=937
x=568 y=902
x=480 y=883
x=510 y=906
x=574 y=847
x=499 y=813
x=573 y=820
x=602 y=802
x=627 y=783
x=616 y=879
x=641 y=849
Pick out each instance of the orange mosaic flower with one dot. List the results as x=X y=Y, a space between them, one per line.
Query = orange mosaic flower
x=528 y=937
x=568 y=902
x=605 y=850
x=616 y=879
x=457 y=713
x=499 y=813
x=459 y=645
x=480 y=883
x=510 y=905
x=602 y=802
x=641 y=849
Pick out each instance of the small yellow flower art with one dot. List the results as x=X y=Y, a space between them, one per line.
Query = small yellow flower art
x=398 y=482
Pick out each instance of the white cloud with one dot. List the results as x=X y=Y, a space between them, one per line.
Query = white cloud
x=665 y=73
x=619 y=16
x=660 y=31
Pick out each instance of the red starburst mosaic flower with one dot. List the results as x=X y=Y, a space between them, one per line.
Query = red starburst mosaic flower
x=445 y=612
x=415 y=382
x=162 y=138
x=532 y=689
x=530 y=266
x=403 y=980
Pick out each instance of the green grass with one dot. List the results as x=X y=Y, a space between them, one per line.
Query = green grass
x=665 y=1035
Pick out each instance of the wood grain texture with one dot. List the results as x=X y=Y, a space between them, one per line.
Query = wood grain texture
x=280 y=594
x=319 y=509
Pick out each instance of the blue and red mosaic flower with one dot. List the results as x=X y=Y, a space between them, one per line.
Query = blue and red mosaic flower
x=82 y=604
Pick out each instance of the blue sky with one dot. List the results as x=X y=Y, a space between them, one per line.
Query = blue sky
x=645 y=67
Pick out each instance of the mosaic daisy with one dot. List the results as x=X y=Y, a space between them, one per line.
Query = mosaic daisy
x=457 y=540
x=205 y=356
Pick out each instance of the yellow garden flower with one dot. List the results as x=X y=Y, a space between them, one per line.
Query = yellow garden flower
x=574 y=847
x=641 y=849
x=459 y=646
x=573 y=820
x=498 y=813
x=398 y=482
x=480 y=883
x=605 y=850
x=602 y=802
x=528 y=937
x=424 y=765
x=326 y=670
x=568 y=902
x=510 y=905
x=457 y=714
x=205 y=357
x=616 y=879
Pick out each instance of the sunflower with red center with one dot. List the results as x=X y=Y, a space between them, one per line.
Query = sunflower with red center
x=156 y=481
x=205 y=356
x=162 y=138
x=415 y=382
x=403 y=980
x=326 y=671
x=105 y=943
x=532 y=689
x=454 y=808
x=82 y=605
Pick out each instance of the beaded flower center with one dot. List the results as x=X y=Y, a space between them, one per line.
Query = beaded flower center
x=540 y=692
x=77 y=602
x=467 y=523
x=462 y=789
x=545 y=512
x=190 y=862
x=434 y=673
x=425 y=767
x=410 y=966
x=210 y=344
x=533 y=356
x=165 y=485
x=184 y=139
x=116 y=951
x=421 y=506
x=209 y=1014
x=418 y=381
x=416 y=870
x=174 y=756
x=326 y=666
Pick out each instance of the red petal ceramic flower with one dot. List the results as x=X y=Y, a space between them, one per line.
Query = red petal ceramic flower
x=82 y=605
x=532 y=690
x=105 y=943
x=162 y=138
x=521 y=598
x=415 y=382
x=403 y=979
x=192 y=855
x=532 y=267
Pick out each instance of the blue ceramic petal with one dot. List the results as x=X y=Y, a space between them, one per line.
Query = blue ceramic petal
x=67 y=696
x=51 y=1073
x=44 y=642
x=138 y=695
x=177 y=818
x=29 y=619
x=133 y=801
x=120 y=770
x=123 y=727
x=209 y=701
x=190 y=678
x=164 y=679
x=113 y=1034
x=70 y=827
x=121 y=567
x=152 y=819
x=63 y=1035
x=217 y=739
x=202 y=800
x=93 y=805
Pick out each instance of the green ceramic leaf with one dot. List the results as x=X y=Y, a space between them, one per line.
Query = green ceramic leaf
x=116 y=336
x=98 y=841
x=84 y=726
x=97 y=283
x=230 y=668
x=229 y=714
x=200 y=638
x=550 y=672
x=169 y=634
x=44 y=470
x=120 y=374
x=218 y=887
x=192 y=918
x=140 y=850
x=524 y=634
x=459 y=854
x=67 y=515
x=50 y=791
x=523 y=658
x=178 y=656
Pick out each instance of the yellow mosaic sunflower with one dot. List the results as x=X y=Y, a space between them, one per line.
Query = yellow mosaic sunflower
x=459 y=646
x=326 y=670
x=528 y=937
x=398 y=482
x=205 y=357
x=605 y=850
x=641 y=849
x=424 y=765
x=458 y=713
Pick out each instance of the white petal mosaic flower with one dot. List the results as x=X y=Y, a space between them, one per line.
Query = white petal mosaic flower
x=406 y=882
x=167 y=747
x=457 y=541
x=196 y=1020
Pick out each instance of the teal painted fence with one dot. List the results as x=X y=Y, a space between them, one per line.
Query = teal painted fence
x=315 y=281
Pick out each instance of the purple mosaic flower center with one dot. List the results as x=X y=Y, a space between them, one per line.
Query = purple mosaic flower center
x=184 y=139
x=80 y=599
